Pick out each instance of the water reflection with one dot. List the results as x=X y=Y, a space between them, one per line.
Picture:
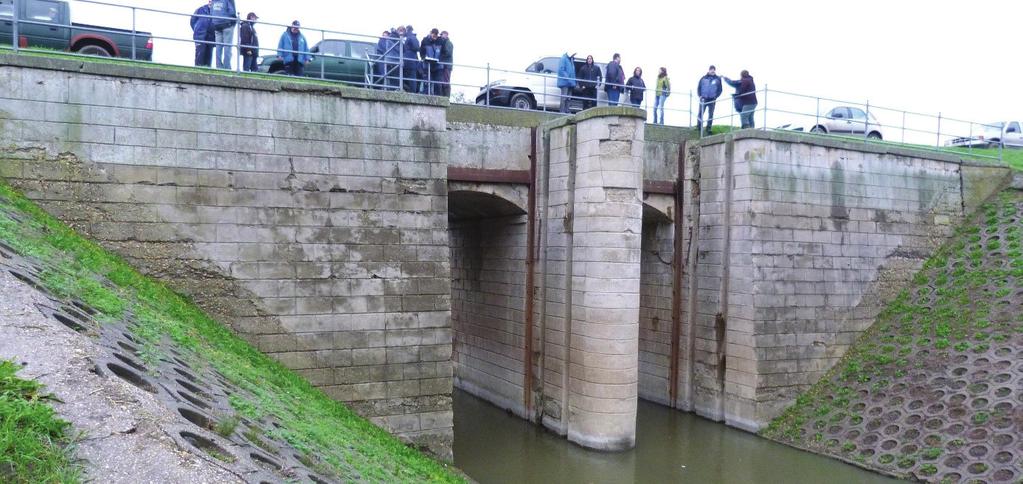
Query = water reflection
x=494 y=447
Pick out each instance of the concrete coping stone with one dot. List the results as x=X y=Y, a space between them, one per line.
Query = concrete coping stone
x=160 y=72
x=839 y=143
x=598 y=112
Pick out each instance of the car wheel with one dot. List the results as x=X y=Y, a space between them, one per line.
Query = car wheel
x=522 y=101
x=819 y=129
x=874 y=135
x=95 y=50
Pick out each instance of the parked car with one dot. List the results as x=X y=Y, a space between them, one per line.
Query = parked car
x=51 y=28
x=348 y=61
x=1006 y=133
x=537 y=88
x=849 y=120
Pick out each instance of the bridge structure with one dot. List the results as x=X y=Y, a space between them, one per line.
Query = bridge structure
x=390 y=247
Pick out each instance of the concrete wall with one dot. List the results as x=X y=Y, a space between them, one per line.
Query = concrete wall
x=801 y=241
x=312 y=219
x=488 y=304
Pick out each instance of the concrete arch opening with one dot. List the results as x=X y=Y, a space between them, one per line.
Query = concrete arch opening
x=487 y=226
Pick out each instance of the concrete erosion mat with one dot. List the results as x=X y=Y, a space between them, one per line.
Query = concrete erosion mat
x=934 y=391
x=140 y=423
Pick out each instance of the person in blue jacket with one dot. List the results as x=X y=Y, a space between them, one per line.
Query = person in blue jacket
x=410 y=58
x=566 y=80
x=293 y=50
x=203 y=35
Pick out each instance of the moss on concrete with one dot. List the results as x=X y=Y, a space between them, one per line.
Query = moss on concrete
x=931 y=390
x=341 y=444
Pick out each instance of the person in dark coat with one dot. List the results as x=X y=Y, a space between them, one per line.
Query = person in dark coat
x=389 y=48
x=429 y=51
x=745 y=97
x=410 y=58
x=589 y=78
x=248 y=42
x=708 y=90
x=203 y=35
x=447 y=60
x=614 y=80
x=636 y=87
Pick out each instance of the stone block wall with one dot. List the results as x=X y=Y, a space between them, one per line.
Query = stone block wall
x=655 y=307
x=488 y=276
x=801 y=242
x=311 y=219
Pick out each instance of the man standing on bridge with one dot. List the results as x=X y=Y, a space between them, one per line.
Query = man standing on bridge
x=709 y=90
x=203 y=35
x=293 y=50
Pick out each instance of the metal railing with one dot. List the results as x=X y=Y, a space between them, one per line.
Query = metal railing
x=385 y=63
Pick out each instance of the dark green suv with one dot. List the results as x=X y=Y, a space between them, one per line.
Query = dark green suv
x=348 y=61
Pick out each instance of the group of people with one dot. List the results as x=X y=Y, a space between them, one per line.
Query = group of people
x=584 y=83
x=213 y=27
x=403 y=62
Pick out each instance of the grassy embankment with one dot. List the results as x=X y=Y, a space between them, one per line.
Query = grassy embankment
x=964 y=305
x=313 y=423
x=35 y=445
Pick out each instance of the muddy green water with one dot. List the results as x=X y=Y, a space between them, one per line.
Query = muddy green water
x=495 y=447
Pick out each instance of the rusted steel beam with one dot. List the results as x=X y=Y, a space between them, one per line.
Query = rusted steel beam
x=659 y=187
x=479 y=175
x=527 y=357
x=676 y=282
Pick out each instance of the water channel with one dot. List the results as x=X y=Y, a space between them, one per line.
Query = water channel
x=493 y=446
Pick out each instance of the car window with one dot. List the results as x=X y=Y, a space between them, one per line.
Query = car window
x=839 y=113
x=331 y=47
x=6 y=8
x=43 y=11
x=362 y=50
x=858 y=114
x=547 y=64
x=1013 y=128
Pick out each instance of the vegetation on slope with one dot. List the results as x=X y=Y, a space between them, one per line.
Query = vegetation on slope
x=35 y=445
x=343 y=445
x=927 y=392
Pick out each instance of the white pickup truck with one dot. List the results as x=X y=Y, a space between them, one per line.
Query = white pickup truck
x=1006 y=133
x=536 y=88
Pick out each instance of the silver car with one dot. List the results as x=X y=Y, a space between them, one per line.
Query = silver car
x=849 y=120
x=1005 y=133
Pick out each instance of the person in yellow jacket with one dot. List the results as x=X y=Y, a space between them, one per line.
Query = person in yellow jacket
x=661 y=93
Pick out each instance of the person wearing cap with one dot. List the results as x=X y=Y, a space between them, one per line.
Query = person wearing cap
x=249 y=42
x=293 y=50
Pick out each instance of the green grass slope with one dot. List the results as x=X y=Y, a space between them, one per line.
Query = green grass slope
x=343 y=445
x=934 y=390
x=35 y=445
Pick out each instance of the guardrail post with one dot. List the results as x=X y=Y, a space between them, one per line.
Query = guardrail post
x=134 y=33
x=765 y=107
x=488 y=84
x=903 y=126
x=938 y=143
x=238 y=59
x=866 y=123
x=14 y=28
x=401 y=64
x=969 y=146
x=691 y=108
x=817 y=117
x=323 y=65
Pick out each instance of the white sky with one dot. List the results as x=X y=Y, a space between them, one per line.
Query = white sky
x=960 y=58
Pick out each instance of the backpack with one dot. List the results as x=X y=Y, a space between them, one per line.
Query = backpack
x=225 y=9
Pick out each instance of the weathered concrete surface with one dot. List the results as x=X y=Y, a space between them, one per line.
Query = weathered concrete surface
x=311 y=219
x=800 y=243
x=125 y=430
